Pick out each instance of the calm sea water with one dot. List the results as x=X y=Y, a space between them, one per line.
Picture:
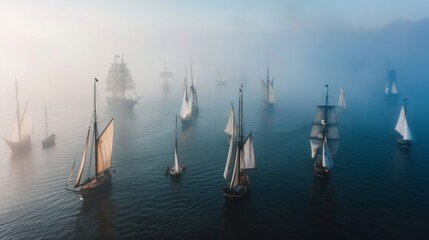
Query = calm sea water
x=377 y=190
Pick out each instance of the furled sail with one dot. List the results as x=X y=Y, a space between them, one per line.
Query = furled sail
x=402 y=126
x=186 y=110
x=104 y=148
x=82 y=161
x=119 y=78
x=248 y=154
x=229 y=129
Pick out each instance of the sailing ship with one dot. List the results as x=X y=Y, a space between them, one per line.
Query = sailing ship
x=166 y=75
x=341 y=100
x=20 y=140
x=121 y=84
x=242 y=149
x=405 y=136
x=185 y=114
x=101 y=146
x=48 y=141
x=391 y=86
x=324 y=138
x=268 y=92
x=193 y=89
x=176 y=169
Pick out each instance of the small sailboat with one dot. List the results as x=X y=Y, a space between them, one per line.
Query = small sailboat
x=268 y=92
x=324 y=138
x=185 y=114
x=166 y=75
x=102 y=148
x=121 y=84
x=341 y=100
x=195 y=106
x=405 y=136
x=48 y=141
x=390 y=88
x=242 y=149
x=20 y=140
x=176 y=169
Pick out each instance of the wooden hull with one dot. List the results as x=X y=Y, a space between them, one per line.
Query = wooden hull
x=120 y=104
x=319 y=170
x=95 y=186
x=23 y=146
x=49 y=141
x=238 y=191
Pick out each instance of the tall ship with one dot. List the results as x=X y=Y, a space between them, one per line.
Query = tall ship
x=267 y=90
x=99 y=147
x=121 y=85
x=241 y=157
x=390 y=88
x=165 y=75
x=405 y=136
x=22 y=128
x=186 y=109
x=324 y=138
x=341 y=100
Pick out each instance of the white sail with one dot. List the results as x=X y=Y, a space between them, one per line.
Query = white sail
x=342 y=100
x=119 y=78
x=176 y=161
x=386 y=90
x=104 y=148
x=190 y=101
x=402 y=126
x=248 y=154
x=229 y=129
x=71 y=174
x=394 y=90
x=15 y=130
x=235 y=180
x=265 y=91
x=26 y=123
x=315 y=145
x=326 y=157
x=271 y=97
x=185 y=110
x=229 y=157
x=82 y=161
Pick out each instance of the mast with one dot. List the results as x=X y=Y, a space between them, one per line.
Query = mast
x=46 y=120
x=240 y=120
x=405 y=106
x=123 y=78
x=175 y=143
x=95 y=126
x=17 y=109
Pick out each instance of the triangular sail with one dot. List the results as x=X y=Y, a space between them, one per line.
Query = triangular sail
x=185 y=110
x=229 y=157
x=248 y=154
x=82 y=161
x=326 y=156
x=394 y=90
x=15 y=129
x=271 y=97
x=235 y=180
x=26 y=123
x=229 y=129
x=176 y=161
x=104 y=148
x=402 y=126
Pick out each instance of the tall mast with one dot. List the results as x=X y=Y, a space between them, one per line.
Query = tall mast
x=240 y=120
x=95 y=127
x=192 y=74
x=17 y=108
x=176 y=135
x=123 y=80
x=325 y=112
x=405 y=106
x=46 y=120
x=186 y=83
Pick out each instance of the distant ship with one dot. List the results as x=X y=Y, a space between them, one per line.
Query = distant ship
x=341 y=100
x=324 y=138
x=102 y=149
x=121 y=84
x=176 y=169
x=48 y=141
x=405 y=136
x=391 y=89
x=166 y=75
x=268 y=92
x=185 y=114
x=20 y=140
x=242 y=149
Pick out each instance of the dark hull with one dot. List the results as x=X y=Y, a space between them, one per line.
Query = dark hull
x=120 y=104
x=319 y=170
x=238 y=191
x=49 y=141
x=95 y=186
x=403 y=143
x=23 y=146
x=172 y=173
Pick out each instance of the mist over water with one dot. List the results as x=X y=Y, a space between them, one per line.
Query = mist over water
x=377 y=189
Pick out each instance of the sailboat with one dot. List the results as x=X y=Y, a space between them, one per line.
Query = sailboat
x=324 y=138
x=268 y=92
x=48 y=141
x=185 y=114
x=121 y=84
x=101 y=146
x=242 y=149
x=20 y=140
x=341 y=100
x=176 y=169
x=166 y=75
x=390 y=88
x=195 y=106
x=405 y=136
